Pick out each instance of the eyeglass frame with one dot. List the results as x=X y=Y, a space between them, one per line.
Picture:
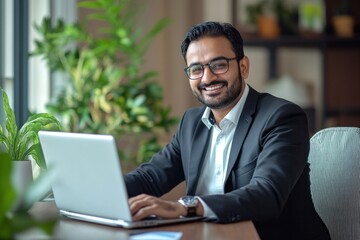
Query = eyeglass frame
x=208 y=64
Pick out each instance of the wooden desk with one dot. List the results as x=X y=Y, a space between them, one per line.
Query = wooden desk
x=72 y=229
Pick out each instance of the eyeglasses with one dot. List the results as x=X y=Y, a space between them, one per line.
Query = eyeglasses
x=216 y=66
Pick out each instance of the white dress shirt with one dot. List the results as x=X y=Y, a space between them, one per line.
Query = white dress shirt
x=213 y=172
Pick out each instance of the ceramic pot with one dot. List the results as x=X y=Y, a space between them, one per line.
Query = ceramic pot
x=21 y=178
x=268 y=26
x=344 y=25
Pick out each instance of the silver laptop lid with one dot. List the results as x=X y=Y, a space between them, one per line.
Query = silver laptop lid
x=88 y=177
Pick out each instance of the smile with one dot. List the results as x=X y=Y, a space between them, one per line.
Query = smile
x=213 y=87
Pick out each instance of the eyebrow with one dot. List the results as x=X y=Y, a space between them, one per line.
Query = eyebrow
x=213 y=59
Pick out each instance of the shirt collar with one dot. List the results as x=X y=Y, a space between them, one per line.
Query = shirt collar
x=233 y=115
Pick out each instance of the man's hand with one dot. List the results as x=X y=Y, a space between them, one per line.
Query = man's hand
x=144 y=205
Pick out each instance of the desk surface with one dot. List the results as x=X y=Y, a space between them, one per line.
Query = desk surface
x=73 y=229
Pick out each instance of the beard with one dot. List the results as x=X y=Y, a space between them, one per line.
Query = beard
x=233 y=91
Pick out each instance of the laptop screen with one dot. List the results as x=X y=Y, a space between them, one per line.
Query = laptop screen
x=88 y=177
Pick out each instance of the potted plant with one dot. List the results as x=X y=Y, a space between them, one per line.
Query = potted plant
x=272 y=18
x=262 y=15
x=343 y=20
x=13 y=223
x=22 y=143
x=107 y=92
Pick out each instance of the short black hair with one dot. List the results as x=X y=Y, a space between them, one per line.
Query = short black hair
x=214 y=29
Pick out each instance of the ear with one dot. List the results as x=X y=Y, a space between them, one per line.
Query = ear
x=244 y=67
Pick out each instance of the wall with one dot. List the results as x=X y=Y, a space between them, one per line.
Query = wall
x=164 y=54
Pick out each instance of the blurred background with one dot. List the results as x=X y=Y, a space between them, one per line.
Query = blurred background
x=299 y=56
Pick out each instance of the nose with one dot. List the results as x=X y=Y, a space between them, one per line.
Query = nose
x=208 y=75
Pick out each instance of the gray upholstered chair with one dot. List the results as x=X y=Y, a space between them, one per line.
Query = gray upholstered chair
x=335 y=180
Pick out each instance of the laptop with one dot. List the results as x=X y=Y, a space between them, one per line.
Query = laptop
x=87 y=181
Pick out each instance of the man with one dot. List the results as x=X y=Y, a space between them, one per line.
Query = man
x=243 y=155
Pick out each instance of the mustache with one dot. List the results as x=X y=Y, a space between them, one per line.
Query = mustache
x=204 y=85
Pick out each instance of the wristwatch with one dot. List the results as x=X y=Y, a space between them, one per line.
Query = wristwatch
x=190 y=203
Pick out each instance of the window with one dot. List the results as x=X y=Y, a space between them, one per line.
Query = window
x=27 y=80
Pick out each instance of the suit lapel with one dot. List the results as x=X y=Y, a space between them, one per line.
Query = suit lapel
x=198 y=150
x=242 y=128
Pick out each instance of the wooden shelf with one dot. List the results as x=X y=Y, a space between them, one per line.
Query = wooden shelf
x=338 y=56
x=320 y=41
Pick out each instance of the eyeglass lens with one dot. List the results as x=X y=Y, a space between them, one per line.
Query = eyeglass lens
x=217 y=66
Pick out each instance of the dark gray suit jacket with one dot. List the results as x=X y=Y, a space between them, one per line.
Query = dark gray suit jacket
x=267 y=180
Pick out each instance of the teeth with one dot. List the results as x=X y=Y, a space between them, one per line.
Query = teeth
x=213 y=87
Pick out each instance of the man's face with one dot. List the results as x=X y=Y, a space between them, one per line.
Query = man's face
x=217 y=91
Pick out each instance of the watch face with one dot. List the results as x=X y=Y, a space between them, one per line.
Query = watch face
x=189 y=201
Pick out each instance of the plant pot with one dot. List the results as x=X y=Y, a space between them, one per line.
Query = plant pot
x=344 y=25
x=21 y=178
x=268 y=26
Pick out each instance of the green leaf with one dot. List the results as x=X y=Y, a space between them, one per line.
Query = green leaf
x=90 y=4
x=10 y=118
x=28 y=133
x=37 y=154
x=2 y=113
x=19 y=144
x=7 y=196
x=20 y=222
x=139 y=100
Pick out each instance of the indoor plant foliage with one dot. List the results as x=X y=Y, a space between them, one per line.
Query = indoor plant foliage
x=21 y=143
x=107 y=92
x=16 y=146
x=11 y=222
